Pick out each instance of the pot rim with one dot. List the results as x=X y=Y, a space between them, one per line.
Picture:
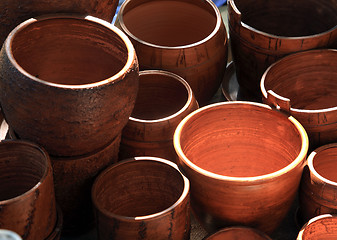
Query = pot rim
x=295 y=55
x=301 y=156
x=183 y=196
x=211 y=35
x=84 y=18
x=313 y=220
x=183 y=109
x=26 y=194
x=235 y=228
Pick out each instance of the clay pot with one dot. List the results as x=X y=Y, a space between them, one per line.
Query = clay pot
x=319 y=183
x=13 y=12
x=304 y=85
x=27 y=199
x=142 y=198
x=77 y=84
x=186 y=37
x=244 y=161
x=239 y=233
x=263 y=31
x=163 y=100
x=323 y=227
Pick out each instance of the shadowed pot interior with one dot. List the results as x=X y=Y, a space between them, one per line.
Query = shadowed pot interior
x=323 y=227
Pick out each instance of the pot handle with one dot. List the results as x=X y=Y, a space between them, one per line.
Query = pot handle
x=278 y=102
x=234 y=15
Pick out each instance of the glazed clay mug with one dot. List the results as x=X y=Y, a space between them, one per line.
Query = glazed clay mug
x=142 y=198
x=27 y=200
x=163 y=100
x=186 y=37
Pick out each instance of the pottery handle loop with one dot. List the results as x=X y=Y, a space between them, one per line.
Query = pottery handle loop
x=234 y=15
x=279 y=102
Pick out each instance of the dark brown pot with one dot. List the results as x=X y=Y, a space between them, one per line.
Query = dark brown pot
x=142 y=198
x=163 y=100
x=186 y=37
x=27 y=200
x=323 y=227
x=13 y=12
x=319 y=183
x=263 y=31
x=244 y=161
x=238 y=233
x=72 y=90
x=304 y=85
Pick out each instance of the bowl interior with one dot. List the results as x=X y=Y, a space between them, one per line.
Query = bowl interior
x=321 y=229
x=325 y=163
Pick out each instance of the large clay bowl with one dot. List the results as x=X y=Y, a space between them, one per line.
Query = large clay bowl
x=186 y=37
x=322 y=227
x=263 y=31
x=27 y=199
x=244 y=161
x=238 y=233
x=163 y=100
x=13 y=12
x=142 y=198
x=319 y=183
x=305 y=85
x=73 y=87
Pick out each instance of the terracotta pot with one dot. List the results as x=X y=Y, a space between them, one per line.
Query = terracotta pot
x=186 y=37
x=319 y=183
x=304 y=85
x=263 y=31
x=77 y=84
x=13 y=12
x=27 y=199
x=323 y=227
x=163 y=100
x=244 y=161
x=142 y=198
x=239 y=233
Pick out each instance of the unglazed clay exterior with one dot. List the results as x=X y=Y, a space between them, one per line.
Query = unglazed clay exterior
x=244 y=161
x=238 y=233
x=142 y=198
x=322 y=227
x=77 y=84
x=163 y=100
x=186 y=37
x=13 y=12
x=27 y=199
x=304 y=85
x=263 y=31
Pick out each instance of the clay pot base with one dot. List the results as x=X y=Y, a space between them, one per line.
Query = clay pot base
x=56 y=233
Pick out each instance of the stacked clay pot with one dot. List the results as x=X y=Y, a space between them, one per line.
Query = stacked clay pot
x=70 y=90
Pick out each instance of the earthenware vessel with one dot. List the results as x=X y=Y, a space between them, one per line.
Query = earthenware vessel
x=322 y=227
x=238 y=233
x=142 y=198
x=27 y=199
x=263 y=31
x=244 y=161
x=304 y=85
x=186 y=37
x=13 y=12
x=319 y=183
x=163 y=100
x=73 y=87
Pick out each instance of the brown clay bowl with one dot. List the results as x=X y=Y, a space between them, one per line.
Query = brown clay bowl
x=238 y=233
x=244 y=161
x=304 y=85
x=319 y=183
x=322 y=227
x=263 y=31
x=186 y=37
x=73 y=87
x=163 y=100
x=27 y=199
x=142 y=198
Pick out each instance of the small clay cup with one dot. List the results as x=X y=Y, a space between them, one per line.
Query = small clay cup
x=238 y=233
x=27 y=199
x=186 y=37
x=163 y=100
x=244 y=161
x=304 y=85
x=322 y=227
x=142 y=198
x=77 y=81
x=319 y=183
